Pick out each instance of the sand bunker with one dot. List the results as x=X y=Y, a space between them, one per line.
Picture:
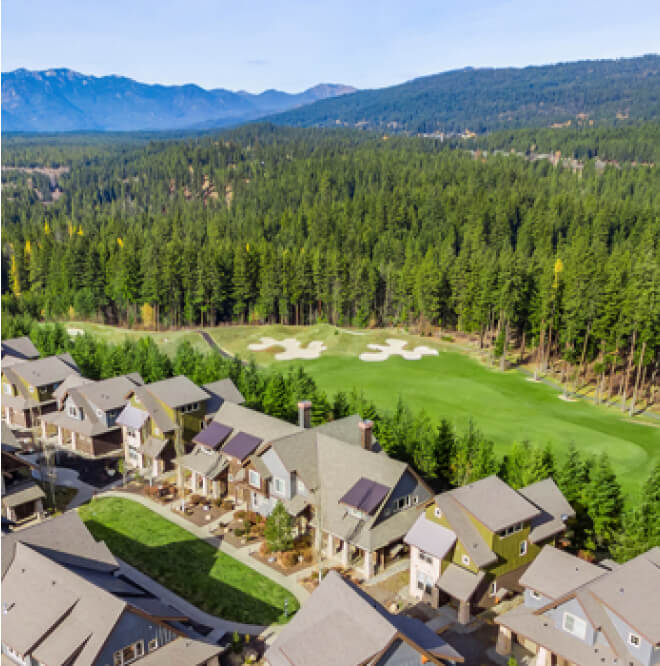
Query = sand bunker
x=395 y=347
x=292 y=348
x=75 y=331
x=566 y=398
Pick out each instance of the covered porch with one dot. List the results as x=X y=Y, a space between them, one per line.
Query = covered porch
x=203 y=473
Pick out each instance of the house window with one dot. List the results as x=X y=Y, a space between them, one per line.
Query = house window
x=402 y=502
x=425 y=557
x=466 y=560
x=99 y=412
x=424 y=582
x=9 y=389
x=153 y=644
x=130 y=432
x=493 y=589
x=300 y=486
x=31 y=388
x=523 y=548
x=254 y=478
x=129 y=654
x=534 y=594
x=512 y=529
x=438 y=512
x=634 y=640
x=279 y=486
x=355 y=513
x=574 y=625
x=156 y=431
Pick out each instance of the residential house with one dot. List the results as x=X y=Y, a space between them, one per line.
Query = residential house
x=28 y=386
x=63 y=602
x=22 y=496
x=341 y=625
x=159 y=421
x=577 y=613
x=333 y=478
x=18 y=349
x=219 y=391
x=473 y=543
x=87 y=416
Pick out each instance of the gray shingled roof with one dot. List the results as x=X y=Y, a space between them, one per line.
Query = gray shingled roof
x=554 y=508
x=64 y=539
x=460 y=583
x=21 y=494
x=494 y=503
x=21 y=347
x=72 y=381
x=466 y=532
x=181 y=652
x=243 y=419
x=431 y=537
x=132 y=417
x=554 y=573
x=222 y=390
x=204 y=461
x=156 y=410
x=49 y=370
x=177 y=391
x=153 y=446
x=340 y=624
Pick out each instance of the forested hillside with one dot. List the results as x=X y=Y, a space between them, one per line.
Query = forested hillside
x=605 y=91
x=267 y=224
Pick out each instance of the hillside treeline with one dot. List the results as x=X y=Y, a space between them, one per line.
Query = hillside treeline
x=298 y=226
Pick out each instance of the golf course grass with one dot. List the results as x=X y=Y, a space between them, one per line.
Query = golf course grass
x=453 y=385
x=201 y=574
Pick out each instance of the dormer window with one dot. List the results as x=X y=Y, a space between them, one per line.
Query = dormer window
x=634 y=640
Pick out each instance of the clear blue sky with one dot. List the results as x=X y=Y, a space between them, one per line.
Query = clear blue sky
x=294 y=44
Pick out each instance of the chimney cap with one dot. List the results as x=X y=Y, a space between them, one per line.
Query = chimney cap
x=366 y=425
x=305 y=404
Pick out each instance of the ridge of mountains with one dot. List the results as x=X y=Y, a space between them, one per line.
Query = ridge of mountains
x=62 y=100
x=607 y=92
x=611 y=92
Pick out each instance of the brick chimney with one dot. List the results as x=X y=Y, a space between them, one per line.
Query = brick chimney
x=366 y=429
x=305 y=414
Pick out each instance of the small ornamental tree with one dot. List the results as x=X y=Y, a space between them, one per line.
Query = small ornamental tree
x=279 y=529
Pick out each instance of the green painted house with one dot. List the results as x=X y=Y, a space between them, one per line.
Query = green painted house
x=159 y=422
x=472 y=544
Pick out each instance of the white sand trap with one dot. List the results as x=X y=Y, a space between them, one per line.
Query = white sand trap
x=292 y=348
x=75 y=331
x=345 y=330
x=395 y=347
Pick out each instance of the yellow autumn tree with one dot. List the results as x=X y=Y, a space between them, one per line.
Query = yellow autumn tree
x=15 y=278
x=559 y=267
x=46 y=228
x=69 y=228
x=120 y=242
x=28 y=248
x=148 y=318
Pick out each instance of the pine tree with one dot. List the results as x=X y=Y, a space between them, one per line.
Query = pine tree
x=571 y=476
x=604 y=502
x=276 y=398
x=279 y=529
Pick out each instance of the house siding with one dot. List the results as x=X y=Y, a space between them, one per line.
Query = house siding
x=418 y=565
x=573 y=606
x=130 y=628
x=645 y=651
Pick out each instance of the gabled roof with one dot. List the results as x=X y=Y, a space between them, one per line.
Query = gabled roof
x=494 y=503
x=554 y=573
x=49 y=370
x=21 y=347
x=554 y=507
x=22 y=493
x=154 y=408
x=177 y=391
x=219 y=391
x=108 y=394
x=431 y=537
x=72 y=381
x=204 y=461
x=340 y=624
x=132 y=417
x=64 y=539
x=365 y=495
x=266 y=428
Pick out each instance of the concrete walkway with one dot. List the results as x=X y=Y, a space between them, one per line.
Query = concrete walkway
x=219 y=626
x=241 y=554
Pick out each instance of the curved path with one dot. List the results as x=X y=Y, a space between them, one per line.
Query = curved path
x=241 y=554
x=216 y=347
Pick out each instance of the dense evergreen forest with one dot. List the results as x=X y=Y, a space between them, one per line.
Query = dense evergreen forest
x=267 y=224
x=486 y=99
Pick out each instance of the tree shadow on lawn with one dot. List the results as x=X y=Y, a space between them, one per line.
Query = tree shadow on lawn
x=186 y=567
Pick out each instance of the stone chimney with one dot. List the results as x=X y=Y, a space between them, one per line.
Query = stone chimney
x=305 y=414
x=366 y=429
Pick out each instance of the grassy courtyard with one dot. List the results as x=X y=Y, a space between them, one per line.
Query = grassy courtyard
x=453 y=385
x=205 y=576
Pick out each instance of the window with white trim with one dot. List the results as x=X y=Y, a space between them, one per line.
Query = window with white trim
x=129 y=654
x=356 y=513
x=534 y=594
x=9 y=389
x=466 y=560
x=300 y=486
x=279 y=486
x=254 y=478
x=402 y=503
x=31 y=388
x=574 y=625
x=153 y=644
x=634 y=640
x=522 y=548
x=424 y=582
x=493 y=589
x=437 y=512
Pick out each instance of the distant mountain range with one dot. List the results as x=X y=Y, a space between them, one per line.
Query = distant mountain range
x=603 y=91
x=57 y=100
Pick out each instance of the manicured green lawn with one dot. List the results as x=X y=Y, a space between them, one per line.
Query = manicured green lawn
x=505 y=406
x=208 y=578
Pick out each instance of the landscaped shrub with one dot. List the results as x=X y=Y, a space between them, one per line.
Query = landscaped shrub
x=240 y=515
x=289 y=558
x=254 y=517
x=239 y=532
x=195 y=499
x=264 y=548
